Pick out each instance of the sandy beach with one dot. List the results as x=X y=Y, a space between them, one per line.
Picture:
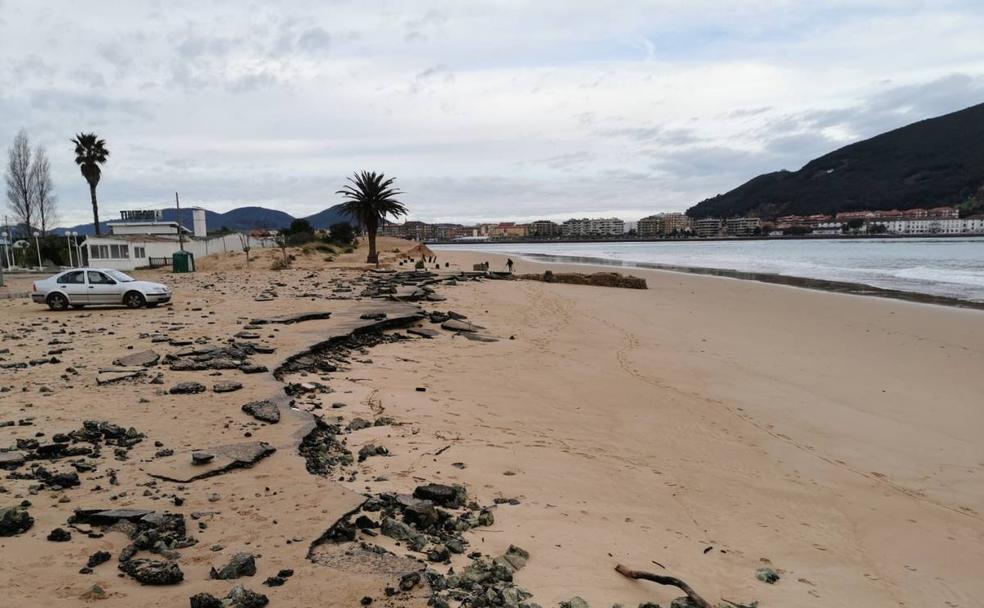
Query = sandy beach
x=704 y=428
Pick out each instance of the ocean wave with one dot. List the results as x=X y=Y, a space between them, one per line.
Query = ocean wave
x=942 y=275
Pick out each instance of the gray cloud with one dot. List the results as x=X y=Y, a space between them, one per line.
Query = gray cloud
x=483 y=110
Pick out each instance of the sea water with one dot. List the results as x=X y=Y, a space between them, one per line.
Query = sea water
x=950 y=266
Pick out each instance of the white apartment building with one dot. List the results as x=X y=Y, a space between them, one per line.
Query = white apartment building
x=970 y=225
x=585 y=227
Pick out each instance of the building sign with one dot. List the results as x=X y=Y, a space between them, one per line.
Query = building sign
x=149 y=215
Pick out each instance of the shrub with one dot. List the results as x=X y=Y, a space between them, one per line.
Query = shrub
x=280 y=264
x=342 y=233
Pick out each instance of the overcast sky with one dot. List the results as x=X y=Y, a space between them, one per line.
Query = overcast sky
x=482 y=110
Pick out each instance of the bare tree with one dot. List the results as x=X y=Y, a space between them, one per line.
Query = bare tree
x=20 y=190
x=43 y=191
x=244 y=241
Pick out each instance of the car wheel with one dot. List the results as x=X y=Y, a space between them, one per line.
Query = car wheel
x=134 y=299
x=57 y=301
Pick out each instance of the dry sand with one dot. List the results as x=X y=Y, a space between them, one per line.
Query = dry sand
x=710 y=425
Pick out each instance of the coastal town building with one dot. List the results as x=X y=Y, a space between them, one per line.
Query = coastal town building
x=708 y=226
x=971 y=225
x=545 y=229
x=663 y=224
x=593 y=227
x=507 y=230
x=742 y=226
x=141 y=238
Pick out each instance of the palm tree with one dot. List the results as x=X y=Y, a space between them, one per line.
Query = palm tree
x=369 y=199
x=90 y=152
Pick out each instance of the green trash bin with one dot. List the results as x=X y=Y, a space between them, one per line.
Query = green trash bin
x=183 y=261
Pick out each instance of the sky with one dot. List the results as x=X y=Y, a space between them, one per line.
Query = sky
x=505 y=110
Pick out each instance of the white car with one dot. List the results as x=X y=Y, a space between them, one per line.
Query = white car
x=80 y=287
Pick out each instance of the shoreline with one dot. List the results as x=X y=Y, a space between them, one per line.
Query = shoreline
x=710 y=239
x=826 y=285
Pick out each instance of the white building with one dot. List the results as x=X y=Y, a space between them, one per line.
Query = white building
x=611 y=226
x=969 y=225
x=141 y=239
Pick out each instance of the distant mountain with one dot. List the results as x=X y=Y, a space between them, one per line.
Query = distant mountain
x=247 y=218
x=241 y=218
x=934 y=162
x=331 y=215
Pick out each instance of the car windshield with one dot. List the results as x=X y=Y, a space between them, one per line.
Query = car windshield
x=120 y=276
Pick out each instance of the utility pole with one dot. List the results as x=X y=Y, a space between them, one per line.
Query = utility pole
x=181 y=238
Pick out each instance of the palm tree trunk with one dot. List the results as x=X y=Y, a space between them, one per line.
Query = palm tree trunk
x=373 y=256
x=95 y=207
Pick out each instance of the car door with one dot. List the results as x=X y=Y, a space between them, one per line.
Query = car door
x=102 y=288
x=73 y=285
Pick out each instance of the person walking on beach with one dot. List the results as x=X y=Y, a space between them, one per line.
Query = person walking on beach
x=509 y=264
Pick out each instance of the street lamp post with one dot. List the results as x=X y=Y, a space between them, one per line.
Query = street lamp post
x=78 y=248
x=68 y=239
x=37 y=246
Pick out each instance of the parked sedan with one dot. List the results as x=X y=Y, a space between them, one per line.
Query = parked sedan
x=93 y=286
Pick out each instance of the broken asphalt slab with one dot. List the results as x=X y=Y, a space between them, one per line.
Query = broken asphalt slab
x=180 y=468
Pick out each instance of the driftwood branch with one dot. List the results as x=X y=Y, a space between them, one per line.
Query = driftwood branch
x=664 y=580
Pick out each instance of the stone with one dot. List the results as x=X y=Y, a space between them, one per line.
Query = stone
x=370 y=450
x=423 y=332
x=420 y=513
x=574 y=602
x=241 y=597
x=252 y=368
x=767 y=575
x=11 y=460
x=266 y=411
x=200 y=458
x=456 y=325
x=205 y=600
x=97 y=558
x=107 y=517
x=397 y=530
x=59 y=535
x=145 y=358
x=94 y=593
x=516 y=557
x=187 y=388
x=152 y=571
x=444 y=495
x=112 y=375
x=226 y=387
x=409 y=580
x=357 y=424
x=241 y=564
x=14 y=520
